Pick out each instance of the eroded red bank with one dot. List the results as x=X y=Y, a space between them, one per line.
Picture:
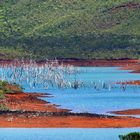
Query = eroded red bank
x=29 y=111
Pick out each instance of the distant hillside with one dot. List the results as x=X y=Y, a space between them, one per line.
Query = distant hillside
x=85 y=29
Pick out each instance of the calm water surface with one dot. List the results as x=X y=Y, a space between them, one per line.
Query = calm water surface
x=89 y=99
x=85 y=100
x=63 y=134
x=97 y=101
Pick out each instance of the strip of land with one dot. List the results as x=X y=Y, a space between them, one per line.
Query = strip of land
x=128 y=112
x=29 y=102
x=27 y=110
x=125 y=63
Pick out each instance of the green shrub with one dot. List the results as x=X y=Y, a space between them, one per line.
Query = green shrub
x=130 y=136
x=5 y=87
x=4 y=83
x=1 y=92
x=2 y=96
x=3 y=107
x=83 y=29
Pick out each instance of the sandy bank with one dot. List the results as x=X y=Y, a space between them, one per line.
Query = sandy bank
x=29 y=111
x=33 y=121
x=127 y=112
x=29 y=102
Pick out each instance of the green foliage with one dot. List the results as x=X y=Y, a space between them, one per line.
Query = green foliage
x=87 y=29
x=130 y=136
x=10 y=52
x=2 y=95
x=5 y=87
x=3 y=107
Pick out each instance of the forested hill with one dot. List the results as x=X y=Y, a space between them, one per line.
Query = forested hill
x=85 y=29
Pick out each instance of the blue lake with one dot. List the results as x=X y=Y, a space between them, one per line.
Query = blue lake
x=87 y=98
x=84 y=99
x=91 y=100
x=63 y=134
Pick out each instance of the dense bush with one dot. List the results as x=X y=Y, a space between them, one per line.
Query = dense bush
x=3 y=107
x=88 y=29
x=130 y=136
x=5 y=87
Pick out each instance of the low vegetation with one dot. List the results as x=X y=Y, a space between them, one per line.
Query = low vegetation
x=3 y=107
x=130 y=136
x=6 y=88
x=82 y=29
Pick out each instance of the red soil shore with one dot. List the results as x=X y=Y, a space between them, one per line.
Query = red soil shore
x=137 y=82
x=98 y=63
x=67 y=122
x=128 y=112
x=29 y=102
x=103 y=63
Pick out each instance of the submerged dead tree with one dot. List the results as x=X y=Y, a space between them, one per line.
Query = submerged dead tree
x=52 y=74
